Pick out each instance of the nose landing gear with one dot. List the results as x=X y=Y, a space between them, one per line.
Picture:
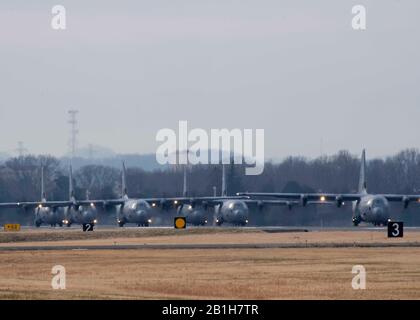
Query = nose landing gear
x=356 y=221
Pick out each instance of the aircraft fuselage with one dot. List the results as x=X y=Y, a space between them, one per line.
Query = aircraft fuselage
x=81 y=215
x=134 y=211
x=195 y=215
x=232 y=211
x=372 y=209
x=49 y=216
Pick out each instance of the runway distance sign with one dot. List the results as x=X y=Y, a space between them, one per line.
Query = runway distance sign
x=88 y=227
x=12 y=227
x=395 y=229
x=180 y=222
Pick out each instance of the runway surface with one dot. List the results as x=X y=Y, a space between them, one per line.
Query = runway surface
x=263 y=228
x=214 y=246
x=204 y=238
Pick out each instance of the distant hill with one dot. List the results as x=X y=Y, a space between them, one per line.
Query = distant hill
x=4 y=156
x=93 y=152
x=146 y=162
x=106 y=157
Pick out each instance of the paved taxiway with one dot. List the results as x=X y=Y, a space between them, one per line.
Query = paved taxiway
x=166 y=238
x=215 y=246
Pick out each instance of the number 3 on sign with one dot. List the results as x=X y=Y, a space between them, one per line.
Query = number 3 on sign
x=395 y=229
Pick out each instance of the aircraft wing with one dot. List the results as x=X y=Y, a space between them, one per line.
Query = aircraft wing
x=103 y=203
x=307 y=198
x=9 y=205
x=26 y=205
x=177 y=201
x=401 y=197
x=163 y=202
x=405 y=199
x=264 y=203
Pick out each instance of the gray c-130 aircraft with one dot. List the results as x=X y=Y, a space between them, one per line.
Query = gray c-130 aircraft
x=77 y=213
x=45 y=212
x=370 y=208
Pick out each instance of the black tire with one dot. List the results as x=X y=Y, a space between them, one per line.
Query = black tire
x=356 y=222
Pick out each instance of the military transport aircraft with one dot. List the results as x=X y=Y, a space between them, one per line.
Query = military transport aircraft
x=76 y=212
x=196 y=215
x=235 y=211
x=370 y=208
x=45 y=212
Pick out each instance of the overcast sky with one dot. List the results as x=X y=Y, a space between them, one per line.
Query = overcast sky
x=294 y=68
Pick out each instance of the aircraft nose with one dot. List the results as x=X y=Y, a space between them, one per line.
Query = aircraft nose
x=140 y=213
x=240 y=213
x=378 y=211
x=90 y=214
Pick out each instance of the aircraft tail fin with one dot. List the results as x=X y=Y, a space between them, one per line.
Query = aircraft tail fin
x=43 y=194
x=362 y=177
x=124 y=194
x=224 y=189
x=185 y=190
x=71 y=187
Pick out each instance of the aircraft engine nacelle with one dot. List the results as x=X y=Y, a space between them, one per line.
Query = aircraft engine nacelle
x=179 y=208
x=339 y=201
x=304 y=200
x=193 y=203
x=405 y=201
x=164 y=205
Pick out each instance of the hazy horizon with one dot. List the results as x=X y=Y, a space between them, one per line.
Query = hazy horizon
x=297 y=70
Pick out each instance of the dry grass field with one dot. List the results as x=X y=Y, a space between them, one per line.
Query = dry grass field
x=316 y=273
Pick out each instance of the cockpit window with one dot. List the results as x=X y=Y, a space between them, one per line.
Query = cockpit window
x=377 y=202
x=238 y=205
x=141 y=205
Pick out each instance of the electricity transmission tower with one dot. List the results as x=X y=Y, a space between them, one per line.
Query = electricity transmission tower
x=21 y=149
